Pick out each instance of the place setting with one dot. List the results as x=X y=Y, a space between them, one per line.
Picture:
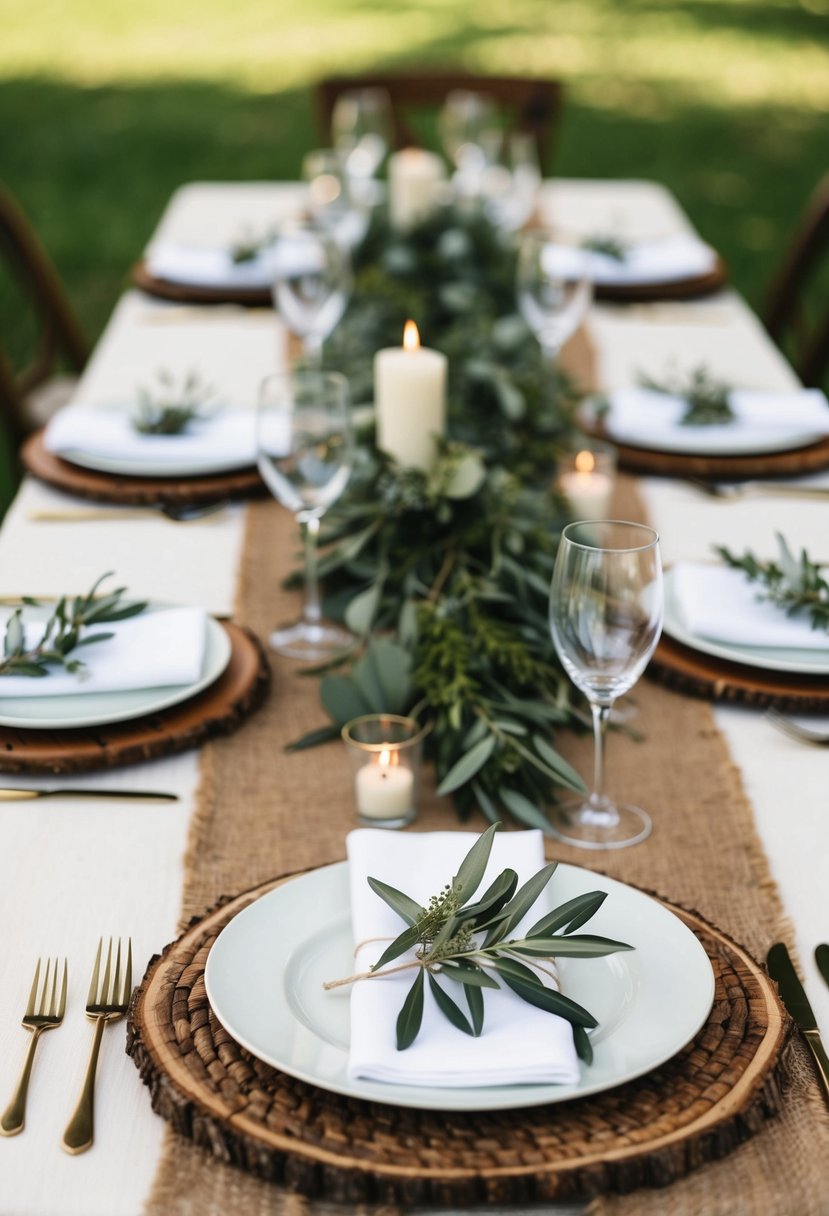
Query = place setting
x=748 y=630
x=96 y=681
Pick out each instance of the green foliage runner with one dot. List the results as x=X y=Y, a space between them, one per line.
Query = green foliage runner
x=445 y=575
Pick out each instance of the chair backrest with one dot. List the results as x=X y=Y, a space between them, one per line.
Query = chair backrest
x=58 y=332
x=786 y=309
x=535 y=105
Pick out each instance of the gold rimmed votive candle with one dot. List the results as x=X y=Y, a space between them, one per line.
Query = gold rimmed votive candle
x=385 y=753
x=585 y=477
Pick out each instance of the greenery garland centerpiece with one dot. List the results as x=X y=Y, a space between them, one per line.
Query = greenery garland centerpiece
x=445 y=574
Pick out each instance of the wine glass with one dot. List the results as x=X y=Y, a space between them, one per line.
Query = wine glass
x=469 y=130
x=552 y=298
x=304 y=453
x=361 y=129
x=605 y=619
x=312 y=283
x=338 y=203
x=510 y=186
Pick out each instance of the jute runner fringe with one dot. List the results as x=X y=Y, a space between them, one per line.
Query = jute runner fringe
x=262 y=812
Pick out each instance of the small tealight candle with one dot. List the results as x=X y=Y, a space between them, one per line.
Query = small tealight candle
x=586 y=481
x=410 y=400
x=415 y=181
x=384 y=750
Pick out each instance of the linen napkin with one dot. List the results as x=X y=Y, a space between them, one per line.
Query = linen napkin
x=644 y=416
x=201 y=266
x=720 y=604
x=665 y=261
x=519 y=1044
x=153 y=650
x=227 y=436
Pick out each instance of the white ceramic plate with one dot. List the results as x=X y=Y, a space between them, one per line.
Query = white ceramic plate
x=712 y=440
x=102 y=708
x=147 y=467
x=265 y=973
x=771 y=658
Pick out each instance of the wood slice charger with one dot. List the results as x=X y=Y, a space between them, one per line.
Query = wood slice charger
x=695 y=1108
x=135 y=491
x=692 y=288
x=218 y=710
x=715 y=679
x=192 y=293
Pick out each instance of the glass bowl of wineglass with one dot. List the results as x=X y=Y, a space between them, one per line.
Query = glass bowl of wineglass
x=312 y=283
x=361 y=128
x=553 y=300
x=305 y=454
x=606 y=609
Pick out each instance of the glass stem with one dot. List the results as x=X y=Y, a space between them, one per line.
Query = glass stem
x=601 y=717
x=311 y=609
x=313 y=350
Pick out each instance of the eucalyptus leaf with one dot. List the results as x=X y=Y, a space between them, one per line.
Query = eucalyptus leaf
x=565 y=772
x=411 y=1015
x=569 y=916
x=406 y=908
x=472 y=868
x=577 y=945
x=524 y=811
x=448 y=1008
x=343 y=699
x=521 y=902
x=582 y=1044
x=468 y=765
x=551 y=1001
x=360 y=613
x=464 y=973
x=475 y=1001
x=405 y=941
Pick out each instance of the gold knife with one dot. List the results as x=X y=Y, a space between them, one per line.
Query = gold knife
x=20 y=795
x=822 y=960
x=781 y=970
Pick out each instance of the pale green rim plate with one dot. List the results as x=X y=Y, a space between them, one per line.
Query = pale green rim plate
x=265 y=972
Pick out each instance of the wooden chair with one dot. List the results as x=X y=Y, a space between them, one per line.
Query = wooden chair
x=27 y=395
x=785 y=313
x=534 y=104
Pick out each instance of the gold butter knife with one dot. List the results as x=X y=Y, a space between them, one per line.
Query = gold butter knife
x=21 y=795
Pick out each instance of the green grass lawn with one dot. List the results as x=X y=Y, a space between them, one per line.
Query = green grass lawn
x=107 y=106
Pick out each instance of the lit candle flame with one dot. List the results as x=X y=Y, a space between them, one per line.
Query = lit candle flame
x=585 y=462
x=411 y=337
x=385 y=760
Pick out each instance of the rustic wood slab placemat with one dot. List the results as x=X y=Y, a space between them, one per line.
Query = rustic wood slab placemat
x=713 y=1095
x=192 y=293
x=218 y=710
x=703 y=675
x=136 y=491
x=652 y=463
x=691 y=288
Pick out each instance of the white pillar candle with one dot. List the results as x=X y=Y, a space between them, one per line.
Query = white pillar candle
x=415 y=179
x=586 y=488
x=410 y=400
x=384 y=790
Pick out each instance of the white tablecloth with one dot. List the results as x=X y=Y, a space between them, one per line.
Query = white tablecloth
x=70 y=872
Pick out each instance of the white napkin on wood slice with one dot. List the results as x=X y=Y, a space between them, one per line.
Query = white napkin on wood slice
x=153 y=650
x=228 y=435
x=669 y=260
x=642 y=415
x=200 y=266
x=519 y=1044
x=720 y=604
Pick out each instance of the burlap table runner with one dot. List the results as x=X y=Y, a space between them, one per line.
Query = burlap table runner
x=262 y=812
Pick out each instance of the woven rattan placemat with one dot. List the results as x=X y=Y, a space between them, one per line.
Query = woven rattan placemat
x=697 y=1107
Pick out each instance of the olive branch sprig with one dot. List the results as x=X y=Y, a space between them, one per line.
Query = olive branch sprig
x=794 y=584
x=170 y=408
x=706 y=397
x=610 y=246
x=469 y=945
x=63 y=631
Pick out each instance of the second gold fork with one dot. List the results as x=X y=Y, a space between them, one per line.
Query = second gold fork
x=44 y=1011
x=107 y=1000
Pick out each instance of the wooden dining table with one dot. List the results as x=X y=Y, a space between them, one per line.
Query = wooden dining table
x=73 y=870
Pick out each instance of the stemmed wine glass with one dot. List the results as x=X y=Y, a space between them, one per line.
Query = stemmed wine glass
x=469 y=130
x=361 y=129
x=304 y=453
x=552 y=301
x=312 y=283
x=605 y=618
x=339 y=203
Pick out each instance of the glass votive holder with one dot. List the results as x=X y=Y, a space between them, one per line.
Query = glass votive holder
x=385 y=751
x=585 y=478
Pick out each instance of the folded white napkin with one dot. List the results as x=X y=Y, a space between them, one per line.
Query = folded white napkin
x=720 y=604
x=519 y=1044
x=201 y=266
x=640 y=415
x=664 y=261
x=227 y=436
x=153 y=650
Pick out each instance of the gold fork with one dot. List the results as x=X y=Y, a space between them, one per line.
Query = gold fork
x=42 y=1013
x=106 y=1001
